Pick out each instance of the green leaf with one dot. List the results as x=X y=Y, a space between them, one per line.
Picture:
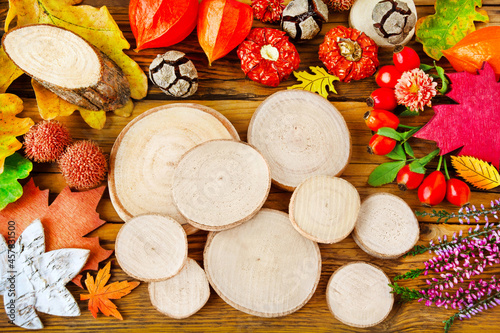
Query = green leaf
x=409 y=134
x=425 y=67
x=16 y=167
x=390 y=133
x=397 y=153
x=444 y=79
x=408 y=113
x=417 y=167
x=316 y=82
x=385 y=173
x=426 y=159
x=409 y=150
x=453 y=20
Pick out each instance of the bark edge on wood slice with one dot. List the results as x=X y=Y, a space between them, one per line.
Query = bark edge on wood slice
x=365 y=285
x=182 y=295
x=324 y=208
x=285 y=267
x=386 y=227
x=220 y=184
x=300 y=134
x=146 y=152
x=68 y=65
x=151 y=247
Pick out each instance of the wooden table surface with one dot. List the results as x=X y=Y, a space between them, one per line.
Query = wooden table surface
x=224 y=88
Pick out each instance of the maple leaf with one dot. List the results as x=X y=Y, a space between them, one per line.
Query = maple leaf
x=473 y=123
x=453 y=20
x=100 y=294
x=316 y=82
x=71 y=216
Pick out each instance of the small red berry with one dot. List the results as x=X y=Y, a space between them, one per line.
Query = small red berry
x=378 y=118
x=381 y=145
x=382 y=98
x=388 y=76
x=433 y=189
x=457 y=192
x=409 y=180
x=405 y=58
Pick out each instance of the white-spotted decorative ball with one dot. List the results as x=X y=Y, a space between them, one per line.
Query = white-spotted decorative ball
x=174 y=74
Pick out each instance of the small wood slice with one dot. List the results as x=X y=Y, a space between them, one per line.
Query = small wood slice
x=301 y=135
x=386 y=227
x=151 y=247
x=145 y=154
x=263 y=267
x=324 y=208
x=221 y=184
x=358 y=294
x=183 y=295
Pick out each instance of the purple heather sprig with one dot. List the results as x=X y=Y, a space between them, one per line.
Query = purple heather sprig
x=465 y=214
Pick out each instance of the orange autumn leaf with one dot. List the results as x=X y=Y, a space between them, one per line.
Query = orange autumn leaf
x=100 y=294
x=66 y=221
x=476 y=172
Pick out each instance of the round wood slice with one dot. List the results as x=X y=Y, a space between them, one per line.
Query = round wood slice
x=67 y=65
x=263 y=267
x=301 y=135
x=358 y=294
x=221 y=184
x=184 y=294
x=151 y=247
x=386 y=227
x=145 y=154
x=324 y=208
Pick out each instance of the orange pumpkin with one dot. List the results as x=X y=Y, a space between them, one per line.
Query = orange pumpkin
x=474 y=49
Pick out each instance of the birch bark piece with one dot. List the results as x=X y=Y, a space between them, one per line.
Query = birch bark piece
x=184 y=294
x=221 y=184
x=301 y=135
x=145 y=154
x=386 y=227
x=358 y=294
x=151 y=247
x=263 y=267
x=68 y=65
x=324 y=208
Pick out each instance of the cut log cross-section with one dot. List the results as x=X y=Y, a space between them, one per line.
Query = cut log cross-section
x=67 y=65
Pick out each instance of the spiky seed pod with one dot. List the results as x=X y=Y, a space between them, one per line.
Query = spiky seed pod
x=46 y=141
x=83 y=165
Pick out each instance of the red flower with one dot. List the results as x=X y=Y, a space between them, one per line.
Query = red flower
x=268 y=11
x=267 y=56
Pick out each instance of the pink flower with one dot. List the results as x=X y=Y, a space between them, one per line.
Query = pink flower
x=415 y=89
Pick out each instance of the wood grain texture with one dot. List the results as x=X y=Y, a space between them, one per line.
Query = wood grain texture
x=224 y=88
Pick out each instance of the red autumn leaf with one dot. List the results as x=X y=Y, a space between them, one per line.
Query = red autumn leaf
x=71 y=216
x=161 y=23
x=222 y=25
x=471 y=124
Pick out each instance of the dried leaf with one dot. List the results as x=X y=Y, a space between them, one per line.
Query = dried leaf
x=100 y=294
x=66 y=221
x=16 y=167
x=9 y=71
x=95 y=119
x=11 y=126
x=316 y=82
x=476 y=172
x=453 y=20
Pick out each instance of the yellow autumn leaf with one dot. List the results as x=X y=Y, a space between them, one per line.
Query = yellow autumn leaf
x=11 y=126
x=476 y=172
x=316 y=82
x=9 y=71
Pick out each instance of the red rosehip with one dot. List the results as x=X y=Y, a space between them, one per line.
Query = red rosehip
x=388 y=76
x=405 y=58
x=382 y=98
x=433 y=189
x=409 y=180
x=381 y=145
x=457 y=192
x=379 y=118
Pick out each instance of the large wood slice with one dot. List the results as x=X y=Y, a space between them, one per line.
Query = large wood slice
x=221 y=184
x=151 y=247
x=263 y=267
x=386 y=227
x=301 y=135
x=358 y=294
x=324 y=208
x=184 y=294
x=145 y=154
x=68 y=65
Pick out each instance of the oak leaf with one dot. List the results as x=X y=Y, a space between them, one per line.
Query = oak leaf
x=453 y=20
x=476 y=172
x=16 y=167
x=66 y=221
x=316 y=82
x=100 y=294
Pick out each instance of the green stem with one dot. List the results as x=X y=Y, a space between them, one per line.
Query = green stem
x=446 y=170
x=439 y=163
x=406 y=126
